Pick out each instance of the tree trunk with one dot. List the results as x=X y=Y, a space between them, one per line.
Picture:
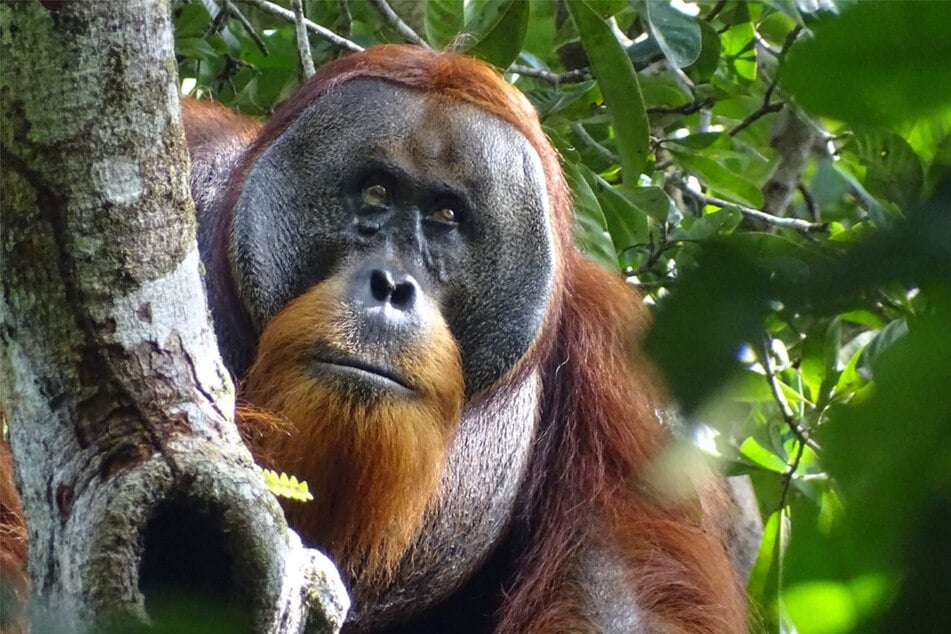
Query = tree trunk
x=132 y=475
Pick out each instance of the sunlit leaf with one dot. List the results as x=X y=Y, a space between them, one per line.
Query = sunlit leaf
x=728 y=184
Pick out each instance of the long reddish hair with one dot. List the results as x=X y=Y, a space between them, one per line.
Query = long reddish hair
x=598 y=431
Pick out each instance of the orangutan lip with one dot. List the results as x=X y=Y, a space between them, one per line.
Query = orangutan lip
x=363 y=371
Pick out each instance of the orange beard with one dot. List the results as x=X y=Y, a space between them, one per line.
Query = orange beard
x=373 y=460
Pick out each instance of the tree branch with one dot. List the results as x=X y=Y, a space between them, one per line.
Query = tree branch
x=599 y=149
x=229 y=10
x=303 y=43
x=570 y=77
x=767 y=106
x=320 y=31
x=118 y=404
x=776 y=221
x=395 y=21
x=802 y=433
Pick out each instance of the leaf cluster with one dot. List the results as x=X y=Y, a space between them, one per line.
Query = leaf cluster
x=774 y=177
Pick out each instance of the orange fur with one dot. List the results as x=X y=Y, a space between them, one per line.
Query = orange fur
x=373 y=462
x=594 y=486
x=14 y=583
x=599 y=433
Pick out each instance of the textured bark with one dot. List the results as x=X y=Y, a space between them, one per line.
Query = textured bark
x=118 y=405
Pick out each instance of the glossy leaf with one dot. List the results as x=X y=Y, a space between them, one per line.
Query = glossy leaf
x=677 y=34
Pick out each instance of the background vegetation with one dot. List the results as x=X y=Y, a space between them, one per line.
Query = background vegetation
x=774 y=177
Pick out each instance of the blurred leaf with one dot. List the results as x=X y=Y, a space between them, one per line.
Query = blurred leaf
x=883 y=63
x=622 y=94
x=817 y=365
x=191 y=20
x=764 y=579
x=196 y=47
x=821 y=607
x=882 y=341
x=894 y=171
x=652 y=201
x=725 y=298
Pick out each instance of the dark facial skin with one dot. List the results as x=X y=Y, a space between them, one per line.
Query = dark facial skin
x=425 y=196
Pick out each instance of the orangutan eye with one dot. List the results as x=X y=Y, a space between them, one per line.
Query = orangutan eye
x=445 y=214
x=375 y=195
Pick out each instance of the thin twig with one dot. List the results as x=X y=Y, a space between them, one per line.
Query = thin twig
x=229 y=10
x=768 y=106
x=570 y=77
x=715 y=11
x=802 y=433
x=790 y=473
x=391 y=18
x=345 y=22
x=687 y=108
x=321 y=32
x=599 y=149
x=303 y=42
x=756 y=115
x=776 y=221
x=809 y=200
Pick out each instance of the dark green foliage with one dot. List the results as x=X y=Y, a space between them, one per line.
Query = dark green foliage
x=814 y=340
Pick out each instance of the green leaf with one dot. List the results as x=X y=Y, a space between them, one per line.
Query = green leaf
x=590 y=226
x=707 y=62
x=618 y=82
x=442 y=21
x=626 y=222
x=716 y=309
x=285 y=486
x=719 y=222
x=762 y=457
x=879 y=63
x=884 y=340
x=764 y=579
x=677 y=34
x=903 y=467
x=727 y=183
x=195 y=47
x=191 y=20
x=499 y=27
x=652 y=201
x=817 y=364
x=739 y=52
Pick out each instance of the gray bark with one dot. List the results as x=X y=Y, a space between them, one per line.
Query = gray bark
x=118 y=405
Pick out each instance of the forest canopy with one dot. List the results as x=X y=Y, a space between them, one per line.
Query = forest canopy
x=774 y=177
